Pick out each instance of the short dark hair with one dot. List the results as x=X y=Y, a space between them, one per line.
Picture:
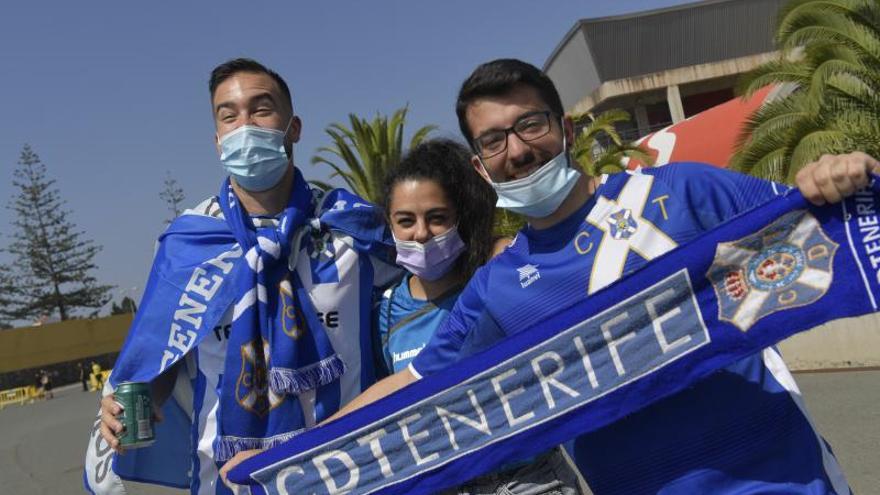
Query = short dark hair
x=231 y=67
x=499 y=77
x=447 y=163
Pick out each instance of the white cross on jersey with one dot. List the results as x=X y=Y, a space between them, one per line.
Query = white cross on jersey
x=616 y=219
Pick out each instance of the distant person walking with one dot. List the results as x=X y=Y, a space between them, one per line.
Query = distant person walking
x=38 y=384
x=46 y=384
x=83 y=376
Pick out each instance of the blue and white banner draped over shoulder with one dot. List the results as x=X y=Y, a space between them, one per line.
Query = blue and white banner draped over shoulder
x=204 y=265
x=779 y=269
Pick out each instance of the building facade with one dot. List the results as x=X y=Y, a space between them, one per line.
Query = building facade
x=662 y=66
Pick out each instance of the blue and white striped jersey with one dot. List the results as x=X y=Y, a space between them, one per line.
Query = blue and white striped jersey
x=742 y=430
x=341 y=283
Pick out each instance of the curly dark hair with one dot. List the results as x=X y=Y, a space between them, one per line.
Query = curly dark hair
x=447 y=163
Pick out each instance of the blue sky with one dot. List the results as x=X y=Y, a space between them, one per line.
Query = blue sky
x=113 y=95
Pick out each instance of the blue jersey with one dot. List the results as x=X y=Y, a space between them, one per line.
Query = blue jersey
x=405 y=324
x=742 y=430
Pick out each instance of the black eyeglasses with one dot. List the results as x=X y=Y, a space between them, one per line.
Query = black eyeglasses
x=529 y=127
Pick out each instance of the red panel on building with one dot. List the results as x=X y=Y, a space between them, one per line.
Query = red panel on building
x=707 y=137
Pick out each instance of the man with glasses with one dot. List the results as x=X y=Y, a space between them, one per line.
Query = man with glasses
x=742 y=429
x=529 y=127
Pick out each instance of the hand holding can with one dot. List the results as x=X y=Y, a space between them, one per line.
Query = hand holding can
x=137 y=415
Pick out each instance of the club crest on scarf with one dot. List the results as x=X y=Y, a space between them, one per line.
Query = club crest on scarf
x=785 y=265
x=321 y=246
x=252 y=389
x=292 y=323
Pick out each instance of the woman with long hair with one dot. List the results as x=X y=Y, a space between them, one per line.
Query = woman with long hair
x=440 y=213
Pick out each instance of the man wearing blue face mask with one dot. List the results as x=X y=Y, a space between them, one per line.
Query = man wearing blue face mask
x=255 y=321
x=256 y=158
x=741 y=430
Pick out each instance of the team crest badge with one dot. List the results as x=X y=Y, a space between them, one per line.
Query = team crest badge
x=291 y=316
x=321 y=245
x=785 y=265
x=252 y=389
x=621 y=224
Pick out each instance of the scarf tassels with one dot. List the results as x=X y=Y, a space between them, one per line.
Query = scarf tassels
x=290 y=381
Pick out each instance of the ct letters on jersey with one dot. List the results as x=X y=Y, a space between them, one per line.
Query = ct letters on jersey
x=252 y=389
x=785 y=265
x=624 y=229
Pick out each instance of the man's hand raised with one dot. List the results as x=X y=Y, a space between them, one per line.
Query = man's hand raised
x=834 y=177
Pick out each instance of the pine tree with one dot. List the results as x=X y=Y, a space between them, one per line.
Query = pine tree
x=54 y=262
x=173 y=196
x=127 y=305
x=8 y=300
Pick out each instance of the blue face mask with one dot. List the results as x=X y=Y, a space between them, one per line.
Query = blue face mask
x=254 y=156
x=539 y=194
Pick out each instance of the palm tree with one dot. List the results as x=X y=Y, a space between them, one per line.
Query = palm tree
x=830 y=68
x=599 y=148
x=363 y=154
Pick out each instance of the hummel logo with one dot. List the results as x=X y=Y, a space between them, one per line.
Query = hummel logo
x=528 y=274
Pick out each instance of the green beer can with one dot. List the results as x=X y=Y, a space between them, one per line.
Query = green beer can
x=136 y=416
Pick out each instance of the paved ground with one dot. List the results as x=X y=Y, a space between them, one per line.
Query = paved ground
x=42 y=444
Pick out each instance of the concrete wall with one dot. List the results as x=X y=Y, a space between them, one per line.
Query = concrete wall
x=660 y=80
x=573 y=71
x=32 y=347
x=846 y=343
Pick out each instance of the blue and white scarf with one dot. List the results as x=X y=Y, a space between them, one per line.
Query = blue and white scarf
x=779 y=269
x=206 y=265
